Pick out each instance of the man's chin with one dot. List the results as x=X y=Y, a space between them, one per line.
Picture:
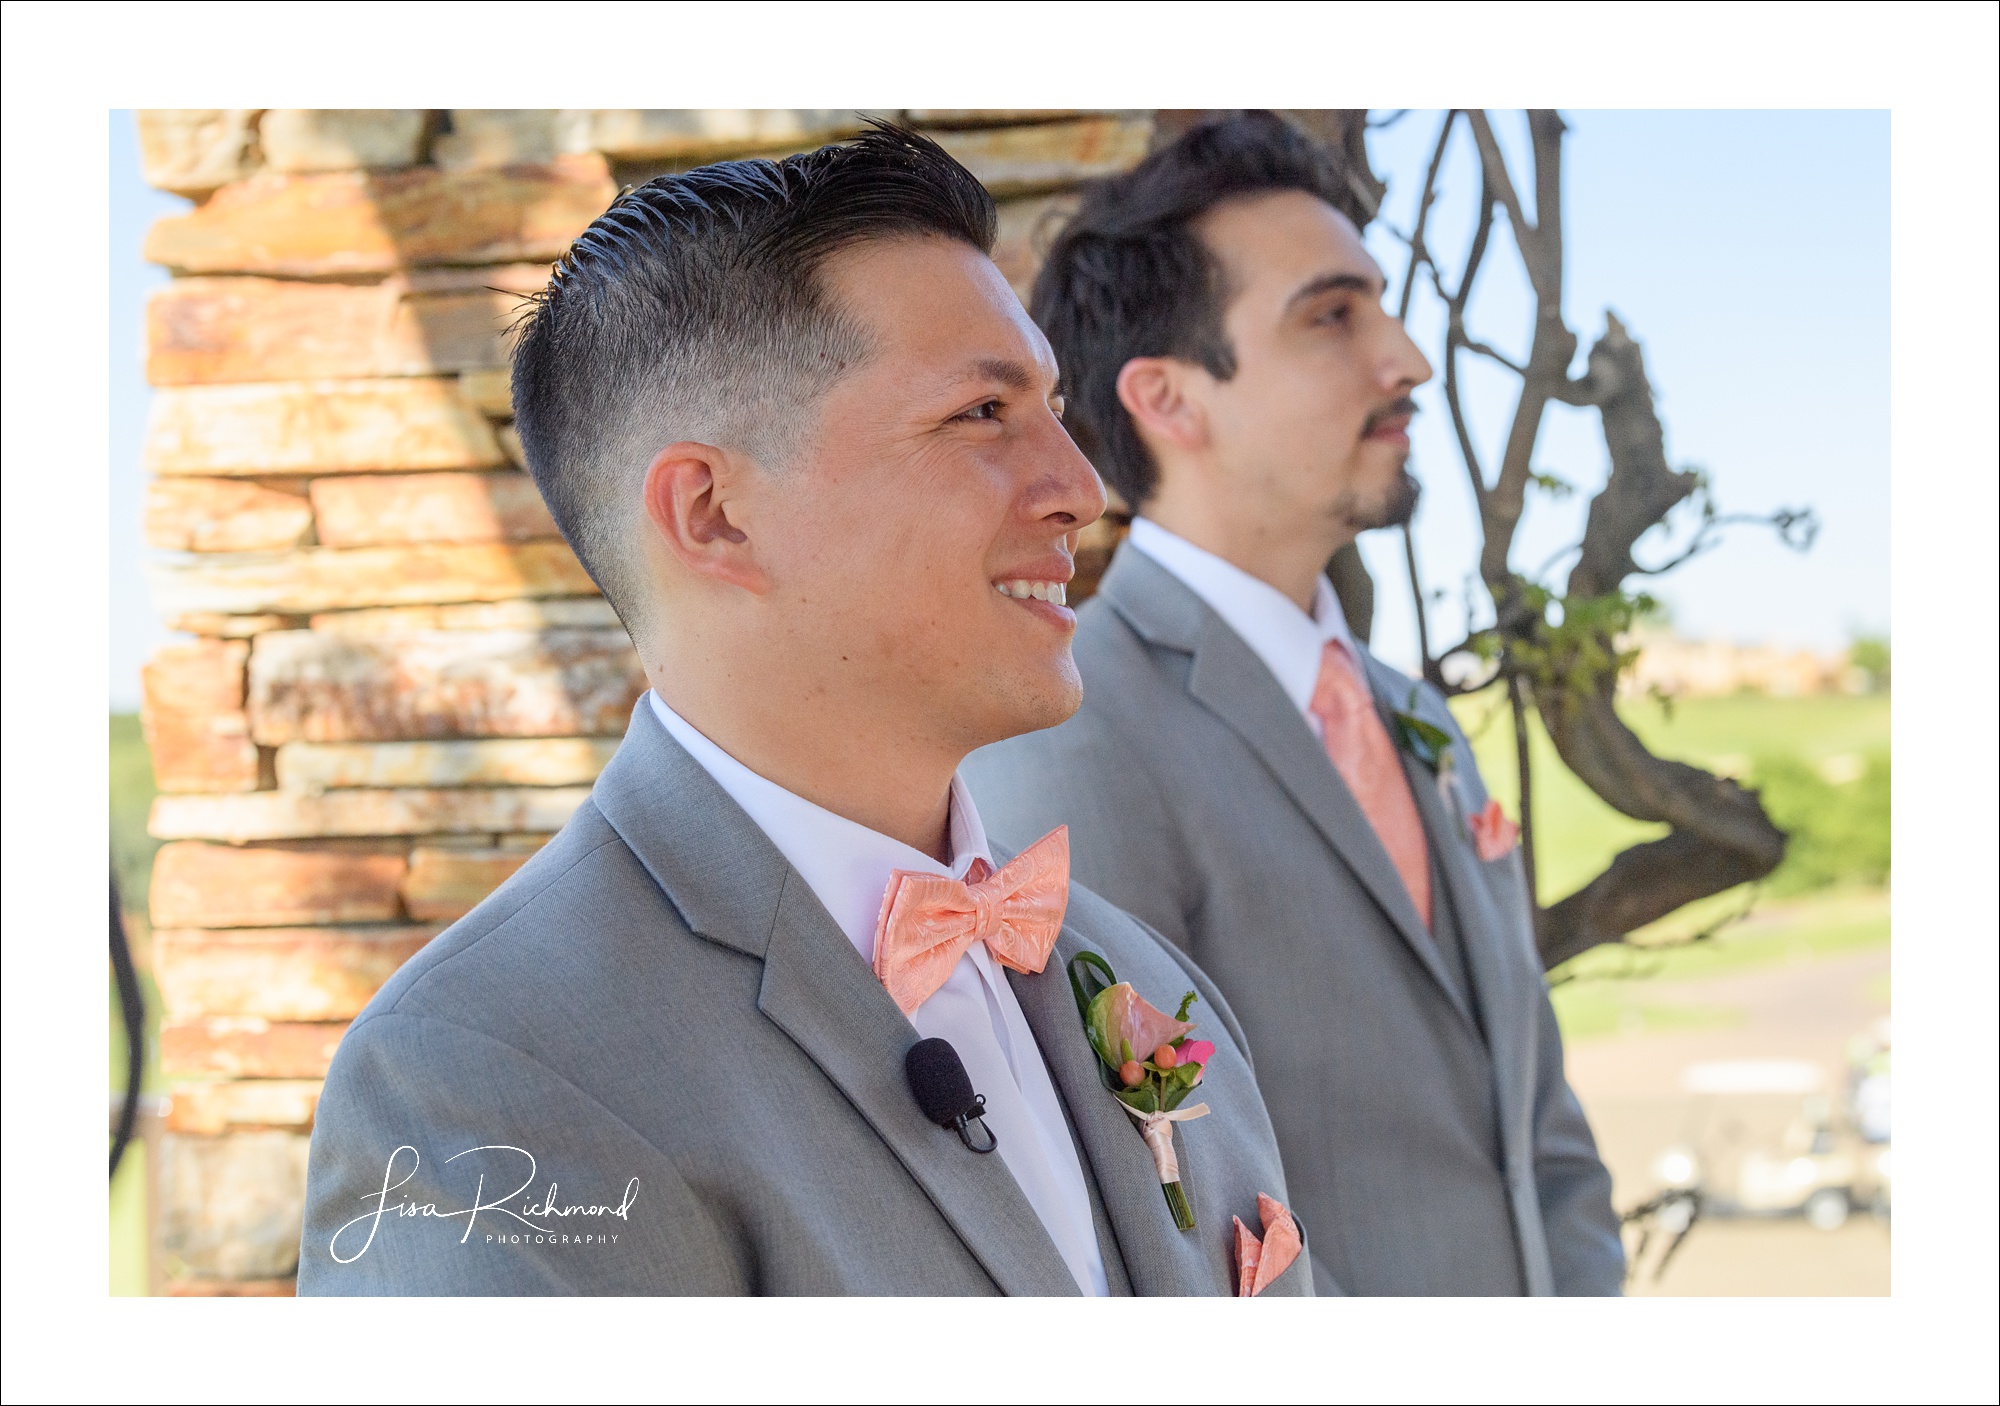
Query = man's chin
x=1039 y=699
x=1394 y=507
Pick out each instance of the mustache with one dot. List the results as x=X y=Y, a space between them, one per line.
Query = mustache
x=1400 y=406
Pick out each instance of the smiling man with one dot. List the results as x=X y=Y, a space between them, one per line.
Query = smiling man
x=801 y=432
x=1239 y=775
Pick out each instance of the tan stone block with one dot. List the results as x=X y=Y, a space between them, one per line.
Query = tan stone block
x=230 y=886
x=491 y=391
x=365 y=510
x=445 y=884
x=351 y=222
x=232 y=1208
x=278 y=974
x=201 y=330
x=193 y=716
x=560 y=613
x=236 y=1105
x=197 y=678
x=493 y=137
x=536 y=761
x=682 y=134
x=1027 y=227
x=341 y=139
x=246 y=1047
x=225 y=515
x=288 y=815
x=193 y=150
x=311 y=580
x=303 y=427
x=311 y=687
x=216 y=625
x=1015 y=160
x=485 y=138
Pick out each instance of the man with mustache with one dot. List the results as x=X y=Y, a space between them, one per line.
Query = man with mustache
x=799 y=429
x=1239 y=775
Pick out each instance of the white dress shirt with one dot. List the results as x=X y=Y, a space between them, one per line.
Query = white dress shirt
x=847 y=866
x=1289 y=641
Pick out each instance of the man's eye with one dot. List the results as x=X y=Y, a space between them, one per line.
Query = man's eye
x=1058 y=405
x=986 y=410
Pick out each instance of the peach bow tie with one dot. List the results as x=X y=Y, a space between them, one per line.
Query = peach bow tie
x=929 y=921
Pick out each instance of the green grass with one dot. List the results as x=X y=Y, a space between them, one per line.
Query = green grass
x=132 y=793
x=1614 y=989
x=1778 y=743
x=1838 y=853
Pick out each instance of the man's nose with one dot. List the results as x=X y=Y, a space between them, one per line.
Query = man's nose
x=1067 y=485
x=1403 y=364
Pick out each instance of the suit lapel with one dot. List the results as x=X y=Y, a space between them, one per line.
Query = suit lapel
x=817 y=990
x=731 y=885
x=1159 y=1259
x=1228 y=679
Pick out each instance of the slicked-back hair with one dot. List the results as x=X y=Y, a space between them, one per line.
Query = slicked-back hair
x=1129 y=277
x=693 y=309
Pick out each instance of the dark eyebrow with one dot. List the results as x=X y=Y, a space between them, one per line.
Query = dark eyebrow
x=1331 y=282
x=1011 y=374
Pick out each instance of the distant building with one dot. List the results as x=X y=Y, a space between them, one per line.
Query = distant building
x=1683 y=668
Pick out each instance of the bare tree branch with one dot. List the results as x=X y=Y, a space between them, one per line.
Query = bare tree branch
x=1419 y=254
x=1483 y=350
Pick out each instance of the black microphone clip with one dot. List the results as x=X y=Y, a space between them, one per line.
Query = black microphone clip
x=944 y=1092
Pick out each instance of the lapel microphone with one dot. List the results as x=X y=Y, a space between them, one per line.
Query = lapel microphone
x=944 y=1091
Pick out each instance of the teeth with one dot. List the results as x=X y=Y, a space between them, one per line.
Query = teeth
x=1054 y=592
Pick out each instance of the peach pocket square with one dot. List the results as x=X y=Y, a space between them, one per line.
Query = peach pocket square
x=1493 y=834
x=1260 y=1262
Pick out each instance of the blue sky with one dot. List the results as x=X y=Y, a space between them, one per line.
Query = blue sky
x=1747 y=251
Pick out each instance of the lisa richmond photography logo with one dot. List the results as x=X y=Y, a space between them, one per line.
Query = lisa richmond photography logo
x=517 y=1216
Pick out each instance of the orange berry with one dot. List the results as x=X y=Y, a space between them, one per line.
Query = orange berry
x=1133 y=1073
x=1166 y=1057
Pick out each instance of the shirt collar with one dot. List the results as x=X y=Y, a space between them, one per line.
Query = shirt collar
x=845 y=864
x=1289 y=641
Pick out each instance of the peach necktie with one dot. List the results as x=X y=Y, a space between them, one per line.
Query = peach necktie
x=1366 y=759
x=929 y=921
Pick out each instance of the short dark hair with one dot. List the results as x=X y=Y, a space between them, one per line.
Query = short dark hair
x=1128 y=276
x=692 y=309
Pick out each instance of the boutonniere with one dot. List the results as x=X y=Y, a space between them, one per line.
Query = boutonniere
x=1426 y=741
x=1147 y=1062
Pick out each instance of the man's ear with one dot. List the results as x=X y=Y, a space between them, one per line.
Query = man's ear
x=695 y=500
x=1155 y=392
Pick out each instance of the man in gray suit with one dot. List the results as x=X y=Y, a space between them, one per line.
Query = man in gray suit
x=806 y=439
x=1303 y=820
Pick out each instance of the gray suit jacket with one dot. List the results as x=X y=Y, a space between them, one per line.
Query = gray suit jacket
x=650 y=1063
x=1416 y=1080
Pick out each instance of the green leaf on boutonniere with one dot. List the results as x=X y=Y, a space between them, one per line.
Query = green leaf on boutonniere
x=1426 y=741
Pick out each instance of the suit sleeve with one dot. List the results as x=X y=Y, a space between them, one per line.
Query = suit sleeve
x=1586 y=1254
x=445 y=1162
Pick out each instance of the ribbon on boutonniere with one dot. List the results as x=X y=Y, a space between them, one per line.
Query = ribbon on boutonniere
x=1146 y=1061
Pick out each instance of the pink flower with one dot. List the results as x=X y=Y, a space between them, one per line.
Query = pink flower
x=1493 y=834
x=1129 y=1018
x=1198 y=1052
